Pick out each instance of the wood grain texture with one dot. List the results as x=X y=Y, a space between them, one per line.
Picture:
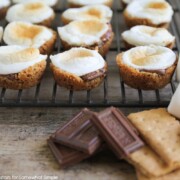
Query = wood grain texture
x=24 y=150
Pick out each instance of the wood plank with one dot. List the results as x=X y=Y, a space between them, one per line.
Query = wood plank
x=24 y=150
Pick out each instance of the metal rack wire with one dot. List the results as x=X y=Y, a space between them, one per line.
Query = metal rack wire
x=113 y=92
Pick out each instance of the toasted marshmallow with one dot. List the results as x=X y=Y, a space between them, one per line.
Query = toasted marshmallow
x=35 y=12
x=4 y=3
x=83 y=32
x=178 y=70
x=14 y=59
x=78 y=61
x=149 y=58
x=156 y=11
x=47 y=2
x=88 y=2
x=174 y=105
x=92 y=12
x=1 y=33
x=146 y=35
x=26 y=34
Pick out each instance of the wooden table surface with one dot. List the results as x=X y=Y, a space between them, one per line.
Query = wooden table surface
x=24 y=150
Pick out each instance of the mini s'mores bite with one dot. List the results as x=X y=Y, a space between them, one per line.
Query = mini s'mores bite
x=20 y=67
x=4 y=5
x=145 y=35
x=91 y=12
x=80 y=3
x=29 y=35
x=156 y=13
x=147 y=67
x=33 y=12
x=91 y=34
x=51 y=3
x=78 y=69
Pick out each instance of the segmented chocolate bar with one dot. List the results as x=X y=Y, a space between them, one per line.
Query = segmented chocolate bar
x=65 y=156
x=94 y=75
x=79 y=133
x=115 y=129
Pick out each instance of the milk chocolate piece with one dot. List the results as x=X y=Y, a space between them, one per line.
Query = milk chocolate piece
x=117 y=132
x=79 y=133
x=65 y=156
x=157 y=71
x=94 y=75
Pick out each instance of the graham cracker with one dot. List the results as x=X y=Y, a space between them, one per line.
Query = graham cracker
x=161 y=131
x=149 y=163
x=172 y=176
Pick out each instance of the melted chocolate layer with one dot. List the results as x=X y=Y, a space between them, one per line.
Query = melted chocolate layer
x=158 y=71
x=94 y=75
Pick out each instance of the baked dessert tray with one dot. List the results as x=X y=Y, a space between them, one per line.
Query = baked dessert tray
x=112 y=92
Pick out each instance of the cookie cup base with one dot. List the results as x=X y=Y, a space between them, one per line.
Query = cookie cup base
x=73 y=82
x=102 y=49
x=25 y=79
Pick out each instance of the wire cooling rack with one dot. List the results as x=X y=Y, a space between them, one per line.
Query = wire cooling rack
x=113 y=92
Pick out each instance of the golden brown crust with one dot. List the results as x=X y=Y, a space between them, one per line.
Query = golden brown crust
x=47 y=48
x=73 y=82
x=144 y=80
x=129 y=46
x=3 y=12
x=133 y=21
x=73 y=5
x=25 y=79
x=102 y=49
x=47 y=22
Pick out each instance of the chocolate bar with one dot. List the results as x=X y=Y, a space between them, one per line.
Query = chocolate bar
x=94 y=75
x=117 y=132
x=79 y=133
x=64 y=155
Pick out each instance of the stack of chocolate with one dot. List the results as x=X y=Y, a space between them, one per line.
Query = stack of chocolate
x=157 y=158
x=86 y=133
